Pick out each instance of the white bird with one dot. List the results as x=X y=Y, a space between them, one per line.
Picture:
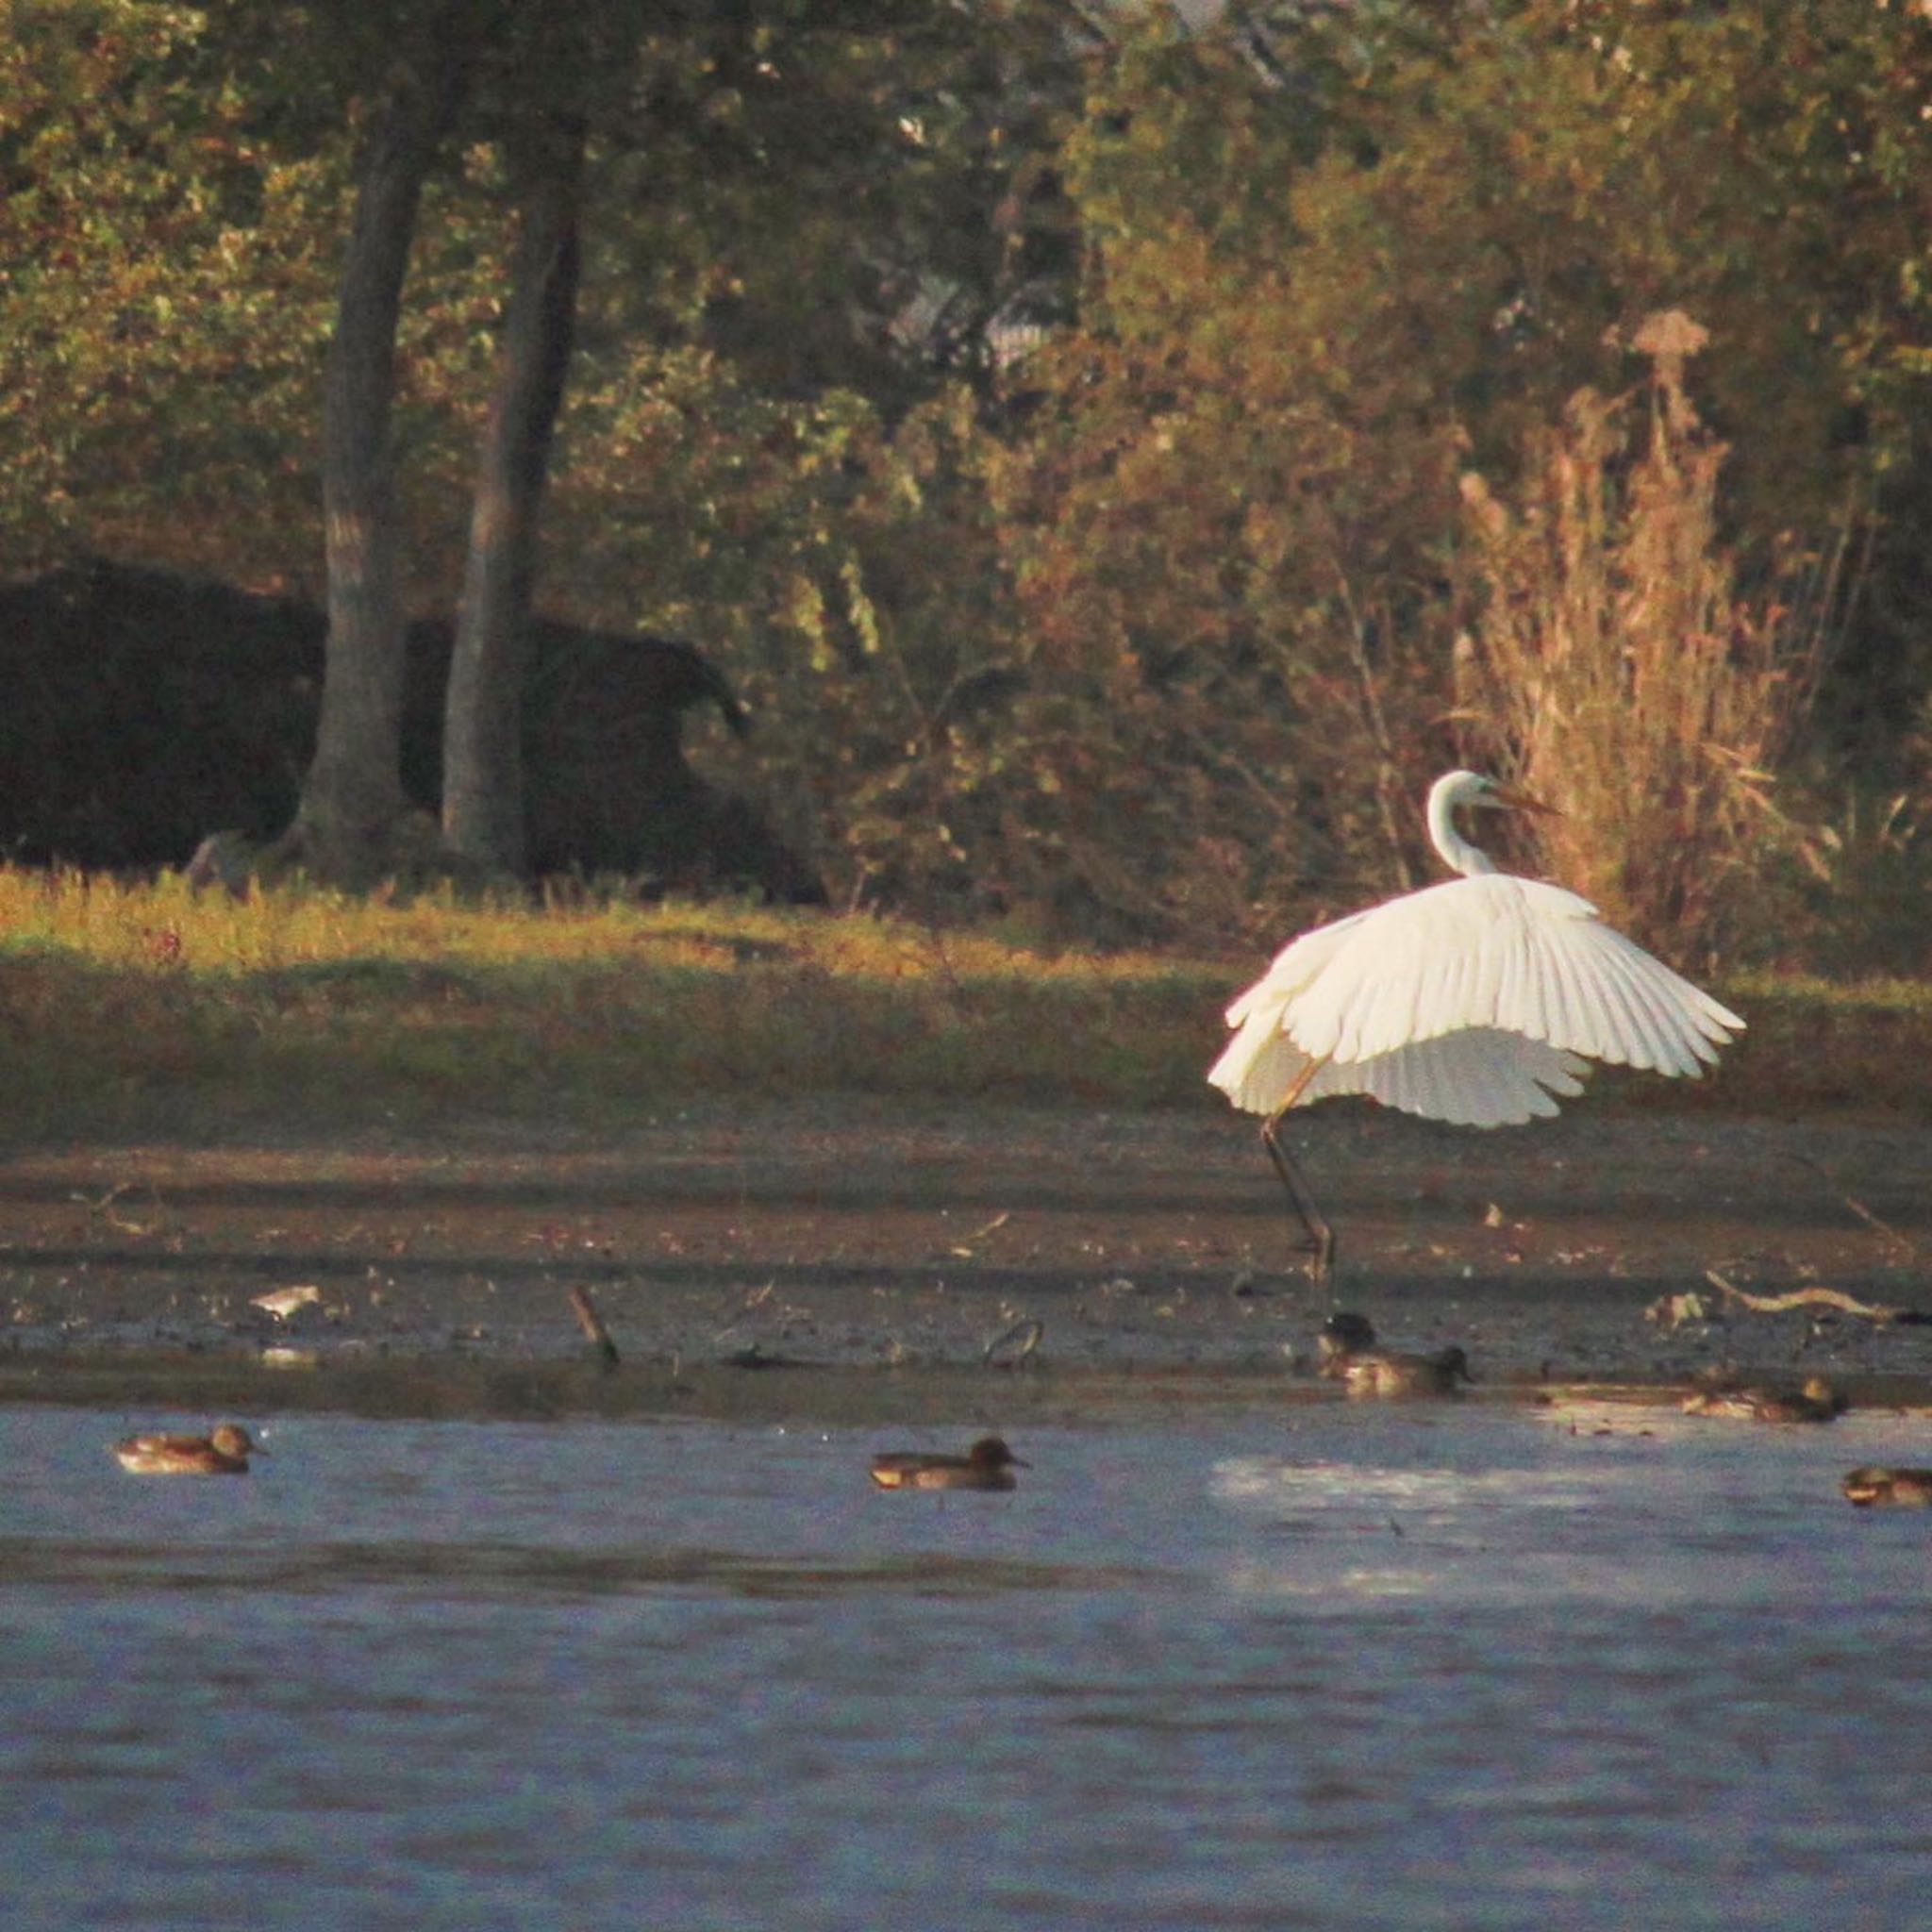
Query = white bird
x=1480 y=1001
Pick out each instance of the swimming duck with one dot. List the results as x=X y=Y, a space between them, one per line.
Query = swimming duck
x=1902 y=1488
x=1383 y=1372
x=1344 y=1333
x=1816 y=1402
x=222 y=1452
x=988 y=1465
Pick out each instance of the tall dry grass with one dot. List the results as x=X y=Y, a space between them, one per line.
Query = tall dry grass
x=1614 y=670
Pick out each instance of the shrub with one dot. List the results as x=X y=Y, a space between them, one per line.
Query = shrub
x=1613 y=668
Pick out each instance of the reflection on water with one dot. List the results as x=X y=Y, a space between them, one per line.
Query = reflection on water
x=1348 y=1667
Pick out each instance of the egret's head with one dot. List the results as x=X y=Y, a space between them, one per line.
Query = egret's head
x=1477 y=790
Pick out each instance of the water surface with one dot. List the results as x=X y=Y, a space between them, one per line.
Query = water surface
x=1345 y=1667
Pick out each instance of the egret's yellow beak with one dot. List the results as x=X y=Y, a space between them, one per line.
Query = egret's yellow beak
x=1522 y=801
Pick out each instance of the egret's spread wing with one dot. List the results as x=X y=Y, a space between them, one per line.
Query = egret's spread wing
x=1295 y=968
x=1262 y=1063
x=1470 y=1001
x=1259 y=1065
x=1480 y=1076
x=1504 y=953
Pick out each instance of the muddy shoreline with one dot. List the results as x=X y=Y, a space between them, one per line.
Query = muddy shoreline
x=855 y=1260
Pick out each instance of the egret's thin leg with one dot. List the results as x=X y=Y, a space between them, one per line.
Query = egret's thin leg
x=1314 y=1223
x=1320 y=1236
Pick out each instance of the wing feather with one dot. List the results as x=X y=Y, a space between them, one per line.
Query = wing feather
x=1654 y=1033
x=1478 y=1077
x=1479 y=1001
x=1576 y=1019
x=1634 y=1017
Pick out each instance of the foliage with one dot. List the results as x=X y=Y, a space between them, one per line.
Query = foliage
x=1223 y=589
x=174 y=249
x=1309 y=306
x=841 y=570
x=137 y=202
x=1146 y=631
x=1613 y=668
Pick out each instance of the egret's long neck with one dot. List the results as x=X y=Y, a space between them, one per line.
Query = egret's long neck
x=1458 y=853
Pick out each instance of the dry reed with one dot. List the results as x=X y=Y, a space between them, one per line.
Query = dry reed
x=1614 y=670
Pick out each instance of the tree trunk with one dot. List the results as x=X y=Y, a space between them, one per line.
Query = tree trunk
x=483 y=816
x=352 y=804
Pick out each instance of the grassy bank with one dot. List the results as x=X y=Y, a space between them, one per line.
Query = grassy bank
x=141 y=1010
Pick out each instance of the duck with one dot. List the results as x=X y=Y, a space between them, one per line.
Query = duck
x=1901 y=1489
x=1817 y=1401
x=1343 y=1335
x=224 y=1450
x=988 y=1465
x=1389 y=1372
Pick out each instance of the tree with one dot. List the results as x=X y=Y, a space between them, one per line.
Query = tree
x=761 y=186
x=483 y=817
x=1147 y=619
x=353 y=822
x=547 y=89
x=1320 y=283
x=1223 y=576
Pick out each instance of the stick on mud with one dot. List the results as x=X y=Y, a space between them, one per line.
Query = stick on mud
x=1815 y=1298
x=591 y=1322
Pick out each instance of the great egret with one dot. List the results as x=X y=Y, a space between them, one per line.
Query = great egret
x=1480 y=1001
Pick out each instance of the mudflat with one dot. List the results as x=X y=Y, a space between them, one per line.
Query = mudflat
x=860 y=1259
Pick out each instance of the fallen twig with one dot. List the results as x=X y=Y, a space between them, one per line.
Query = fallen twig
x=591 y=1322
x=119 y=1224
x=967 y=1249
x=1908 y=1247
x=1903 y=1243
x=1815 y=1298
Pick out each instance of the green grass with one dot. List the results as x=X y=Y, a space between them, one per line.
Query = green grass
x=136 y=1010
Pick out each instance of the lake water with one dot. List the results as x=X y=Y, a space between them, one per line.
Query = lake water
x=1334 y=1666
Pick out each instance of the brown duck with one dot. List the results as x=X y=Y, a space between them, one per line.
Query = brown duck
x=1896 y=1488
x=1816 y=1402
x=224 y=1450
x=1376 y=1371
x=988 y=1465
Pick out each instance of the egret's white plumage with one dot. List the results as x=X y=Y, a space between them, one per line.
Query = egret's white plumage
x=1481 y=1001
